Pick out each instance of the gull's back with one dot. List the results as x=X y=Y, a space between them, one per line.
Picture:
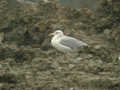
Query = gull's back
x=72 y=43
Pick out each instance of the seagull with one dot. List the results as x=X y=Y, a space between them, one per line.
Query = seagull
x=65 y=43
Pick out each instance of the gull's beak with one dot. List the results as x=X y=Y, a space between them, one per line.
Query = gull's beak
x=51 y=34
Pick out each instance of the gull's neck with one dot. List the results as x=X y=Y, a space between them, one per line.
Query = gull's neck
x=57 y=37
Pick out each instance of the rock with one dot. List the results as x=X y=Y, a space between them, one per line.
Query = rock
x=107 y=31
x=97 y=47
x=71 y=66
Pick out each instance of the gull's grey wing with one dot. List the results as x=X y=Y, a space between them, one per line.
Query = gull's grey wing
x=72 y=42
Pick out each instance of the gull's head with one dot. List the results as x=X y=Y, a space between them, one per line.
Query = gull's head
x=57 y=32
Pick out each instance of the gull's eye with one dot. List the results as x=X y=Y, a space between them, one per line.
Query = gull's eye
x=57 y=32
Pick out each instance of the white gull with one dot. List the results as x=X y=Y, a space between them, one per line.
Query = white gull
x=65 y=43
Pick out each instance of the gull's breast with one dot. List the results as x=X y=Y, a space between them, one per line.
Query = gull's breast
x=56 y=43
